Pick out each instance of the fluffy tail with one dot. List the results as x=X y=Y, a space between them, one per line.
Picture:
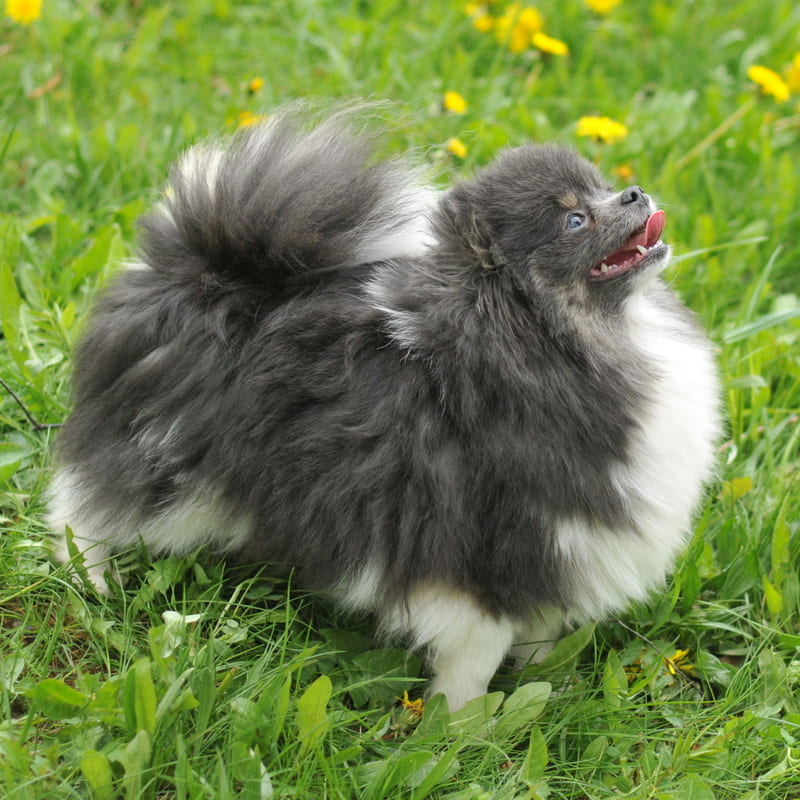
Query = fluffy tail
x=281 y=201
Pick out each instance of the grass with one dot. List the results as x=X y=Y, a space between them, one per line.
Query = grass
x=198 y=681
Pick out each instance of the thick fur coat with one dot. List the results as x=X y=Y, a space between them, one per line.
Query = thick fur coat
x=478 y=413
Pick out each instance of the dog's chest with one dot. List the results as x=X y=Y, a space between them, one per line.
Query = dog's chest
x=671 y=456
x=674 y=452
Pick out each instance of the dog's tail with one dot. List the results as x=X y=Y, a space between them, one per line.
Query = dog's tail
x=282 y=202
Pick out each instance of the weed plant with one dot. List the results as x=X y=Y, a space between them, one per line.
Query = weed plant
x=200 y=681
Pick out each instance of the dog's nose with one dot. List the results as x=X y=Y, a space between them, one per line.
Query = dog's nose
x=633 y=194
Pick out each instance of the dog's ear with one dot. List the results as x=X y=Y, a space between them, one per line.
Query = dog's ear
x=479 y=240
x=464 y=227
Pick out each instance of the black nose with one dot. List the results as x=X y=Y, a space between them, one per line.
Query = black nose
x=633 y=194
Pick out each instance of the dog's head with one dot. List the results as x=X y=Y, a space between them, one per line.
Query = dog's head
x=546 y=219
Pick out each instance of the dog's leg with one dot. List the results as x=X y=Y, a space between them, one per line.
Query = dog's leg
x=535 y=638
x=465 y=658
x=466 y=643
x=96 y=556
x=87 y=535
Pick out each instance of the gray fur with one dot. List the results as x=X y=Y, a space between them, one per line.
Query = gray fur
x=435 y=417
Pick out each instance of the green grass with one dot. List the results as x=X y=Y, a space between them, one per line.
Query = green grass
x=198 y=681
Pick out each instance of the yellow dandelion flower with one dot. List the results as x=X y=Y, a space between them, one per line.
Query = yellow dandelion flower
x=255 y=85
x=456 y=147
x=454 y=102
x=480 y=15
x=624 y=172
x=793 y=74
x=603 y=6
x=414 y=707
x=769 y=81
x=531 y=19
x=601 y=129
x=678 y=663
x=547 y=44
x=517 y=25
x=634 y=671
x=24 y=11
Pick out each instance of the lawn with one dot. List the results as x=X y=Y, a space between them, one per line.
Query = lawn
x=200 y=680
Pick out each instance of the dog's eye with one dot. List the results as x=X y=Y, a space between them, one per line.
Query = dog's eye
x=575 y=220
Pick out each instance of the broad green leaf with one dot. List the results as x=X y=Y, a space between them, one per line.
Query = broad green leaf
x=406 y=767
x=281 y=707
x=11 y=456
x=691 y=788
x=57 y=700
x=565 y=650
x=737 y=487
x=535 y=759
x=312 y=713
x=11 y=668
x=347 y=754
x=474 y=717
x=379 y=778
x=248 y=720
x=135 y=758
x=789 y=641
x=10 y=239
x=205 y=685
x=522 y=708
x=178 y=697
x=139 y=698
x=248 y=769
x=615 y=681
x=435 y=720
x=434 y=772
x=96 y=771
x=593 y=754
x=773 y=596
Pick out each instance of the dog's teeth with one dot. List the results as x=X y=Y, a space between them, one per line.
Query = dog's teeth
x=604 y=268
x=642 y=249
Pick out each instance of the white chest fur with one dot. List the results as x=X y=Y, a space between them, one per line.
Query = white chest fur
x=672 y=456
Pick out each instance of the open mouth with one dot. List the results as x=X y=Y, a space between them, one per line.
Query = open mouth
x=642 y=244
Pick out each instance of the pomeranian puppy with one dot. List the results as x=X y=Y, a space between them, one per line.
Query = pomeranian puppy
x=478 y=413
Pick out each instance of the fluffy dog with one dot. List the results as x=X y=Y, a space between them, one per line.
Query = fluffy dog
x=478 y=413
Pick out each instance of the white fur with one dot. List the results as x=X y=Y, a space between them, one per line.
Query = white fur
x=409 y=201
x=402 y=325
x=363 y=592
x=134 y=265
x=201 y=518
x=466 y=644
x=200 y=165
x=88 y=532
x=535 y=638
x=672 y=456
x=411 y=238
x=157 y=437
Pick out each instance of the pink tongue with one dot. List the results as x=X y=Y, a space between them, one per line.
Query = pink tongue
x=650 y=235
x=655 y=227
